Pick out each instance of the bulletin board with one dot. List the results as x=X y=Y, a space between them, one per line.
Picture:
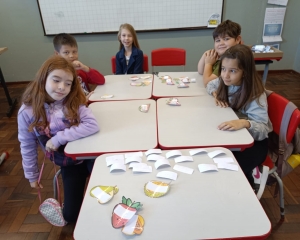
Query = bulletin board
x=105 y=16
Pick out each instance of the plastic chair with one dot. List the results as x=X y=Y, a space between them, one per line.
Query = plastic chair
x=145 y=64
x=276 y=107
x=168 y=57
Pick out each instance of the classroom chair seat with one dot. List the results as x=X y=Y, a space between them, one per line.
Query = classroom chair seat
x=168 y=57
x=145 y=64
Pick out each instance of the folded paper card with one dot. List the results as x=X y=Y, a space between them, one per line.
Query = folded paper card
x=131 y=165
x=153 y=151
x=215 y=153
x=173 y=153
x=223 y=160
x=228 y=166
x=138 y=154
x=207 y=167
x=196 y=151
x=184 y=159
x=117 y=166
x=167 y=174
x=133 y=159
x=142 y=168
x=106 y=96
x=183 y=169
x=161 y=162
x=154 y=157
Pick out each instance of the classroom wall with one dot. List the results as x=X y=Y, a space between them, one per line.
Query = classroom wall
x=21 y=31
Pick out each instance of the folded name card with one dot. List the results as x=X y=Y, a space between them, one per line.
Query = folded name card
x=161 y=162
x=117 y=166
x=173 y=153
x=154 y=157
x=167 y=174
x=133 y=159
x=196 y=151
x=223 y=160
x=215 y=153
x=184 y=159
x=228 y=166
x=207 y=167
x=153 y=151
x=131 y=165
x=133 y=154
x=114 y=159
x=139 y=168
x=183 y=169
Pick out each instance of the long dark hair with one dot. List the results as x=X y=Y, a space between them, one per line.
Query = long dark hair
x=251 y=84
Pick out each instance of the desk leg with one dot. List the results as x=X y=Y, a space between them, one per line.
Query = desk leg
x=266 y=70
x=12 y=102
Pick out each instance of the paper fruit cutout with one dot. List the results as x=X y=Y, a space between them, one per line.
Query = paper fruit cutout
x=134 y=226
x=134 y=78
x=123 y=212
x=144 y=108
x=156 y=189
x=106 y=96
x=104 y=193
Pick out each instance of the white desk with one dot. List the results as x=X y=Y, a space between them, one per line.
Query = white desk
x=194 y=124
x=122 y=128
x=163 y=90
x=211 y=205
x=119 y=86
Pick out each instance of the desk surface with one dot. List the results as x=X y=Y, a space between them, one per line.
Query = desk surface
x=211 y=205
x=119 y=86
x=194 y=124
x=2 y=50
x=122 y=128
x=163 y=90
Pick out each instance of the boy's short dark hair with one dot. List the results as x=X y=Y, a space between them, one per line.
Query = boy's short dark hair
x=63 y=39
x=232 y=29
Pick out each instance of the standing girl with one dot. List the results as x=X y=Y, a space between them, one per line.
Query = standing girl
x=129 y=60
x=53 y=113
x=240 y=87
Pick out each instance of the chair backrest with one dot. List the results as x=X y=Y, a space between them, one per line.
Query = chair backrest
x=168 y=57
x=145 y=64
x=276 y=107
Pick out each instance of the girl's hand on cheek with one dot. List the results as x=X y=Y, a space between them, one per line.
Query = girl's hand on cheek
x=232 y=125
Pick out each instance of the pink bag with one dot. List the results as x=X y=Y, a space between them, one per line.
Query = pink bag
x=51 y=208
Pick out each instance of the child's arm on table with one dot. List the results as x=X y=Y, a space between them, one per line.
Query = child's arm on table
x=88 y=125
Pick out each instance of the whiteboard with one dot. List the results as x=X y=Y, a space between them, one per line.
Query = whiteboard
x=104 y=16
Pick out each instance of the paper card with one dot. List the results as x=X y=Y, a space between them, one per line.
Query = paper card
x=101 y=195
x=167 y=174
x=228 y=166
x=182 y=85
x=173 y=153
x=114 y=159
x=161 y=162
x=131 y=165
x=207 y=167
x=117 y=166
x=132 y=154
x=184 y=159
x=153 y=151
x=183 y=169
x=140 y=168
x=223 y=160
x=173 y=102
x=134 y=78
x=169 y=81
x=130 y=226
x=193 y=80
x=154 y=157
x=215 y=153
x=133 y=159
x=136 y=84
x=106 y=96
x=196 y=151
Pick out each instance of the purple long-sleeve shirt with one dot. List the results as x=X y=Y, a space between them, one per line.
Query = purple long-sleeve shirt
x=58 y=130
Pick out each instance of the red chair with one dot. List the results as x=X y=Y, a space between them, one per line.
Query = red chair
x=168 y=57
x=276 y=108
x=145 y=64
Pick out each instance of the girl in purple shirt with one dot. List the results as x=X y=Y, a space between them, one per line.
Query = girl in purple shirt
x=53 y=113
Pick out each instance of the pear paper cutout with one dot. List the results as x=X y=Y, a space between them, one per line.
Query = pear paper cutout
x=104 y=193
x=156 y=189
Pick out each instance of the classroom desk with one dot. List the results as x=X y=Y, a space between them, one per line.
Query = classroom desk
x=210 y=205
x=122 y=128
x=266 y=62
x=163 y=90
x=119 y=86
x=11 y=102
x=194 y=124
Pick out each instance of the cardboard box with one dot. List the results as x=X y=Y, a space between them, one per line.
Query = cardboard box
x=276 y=55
